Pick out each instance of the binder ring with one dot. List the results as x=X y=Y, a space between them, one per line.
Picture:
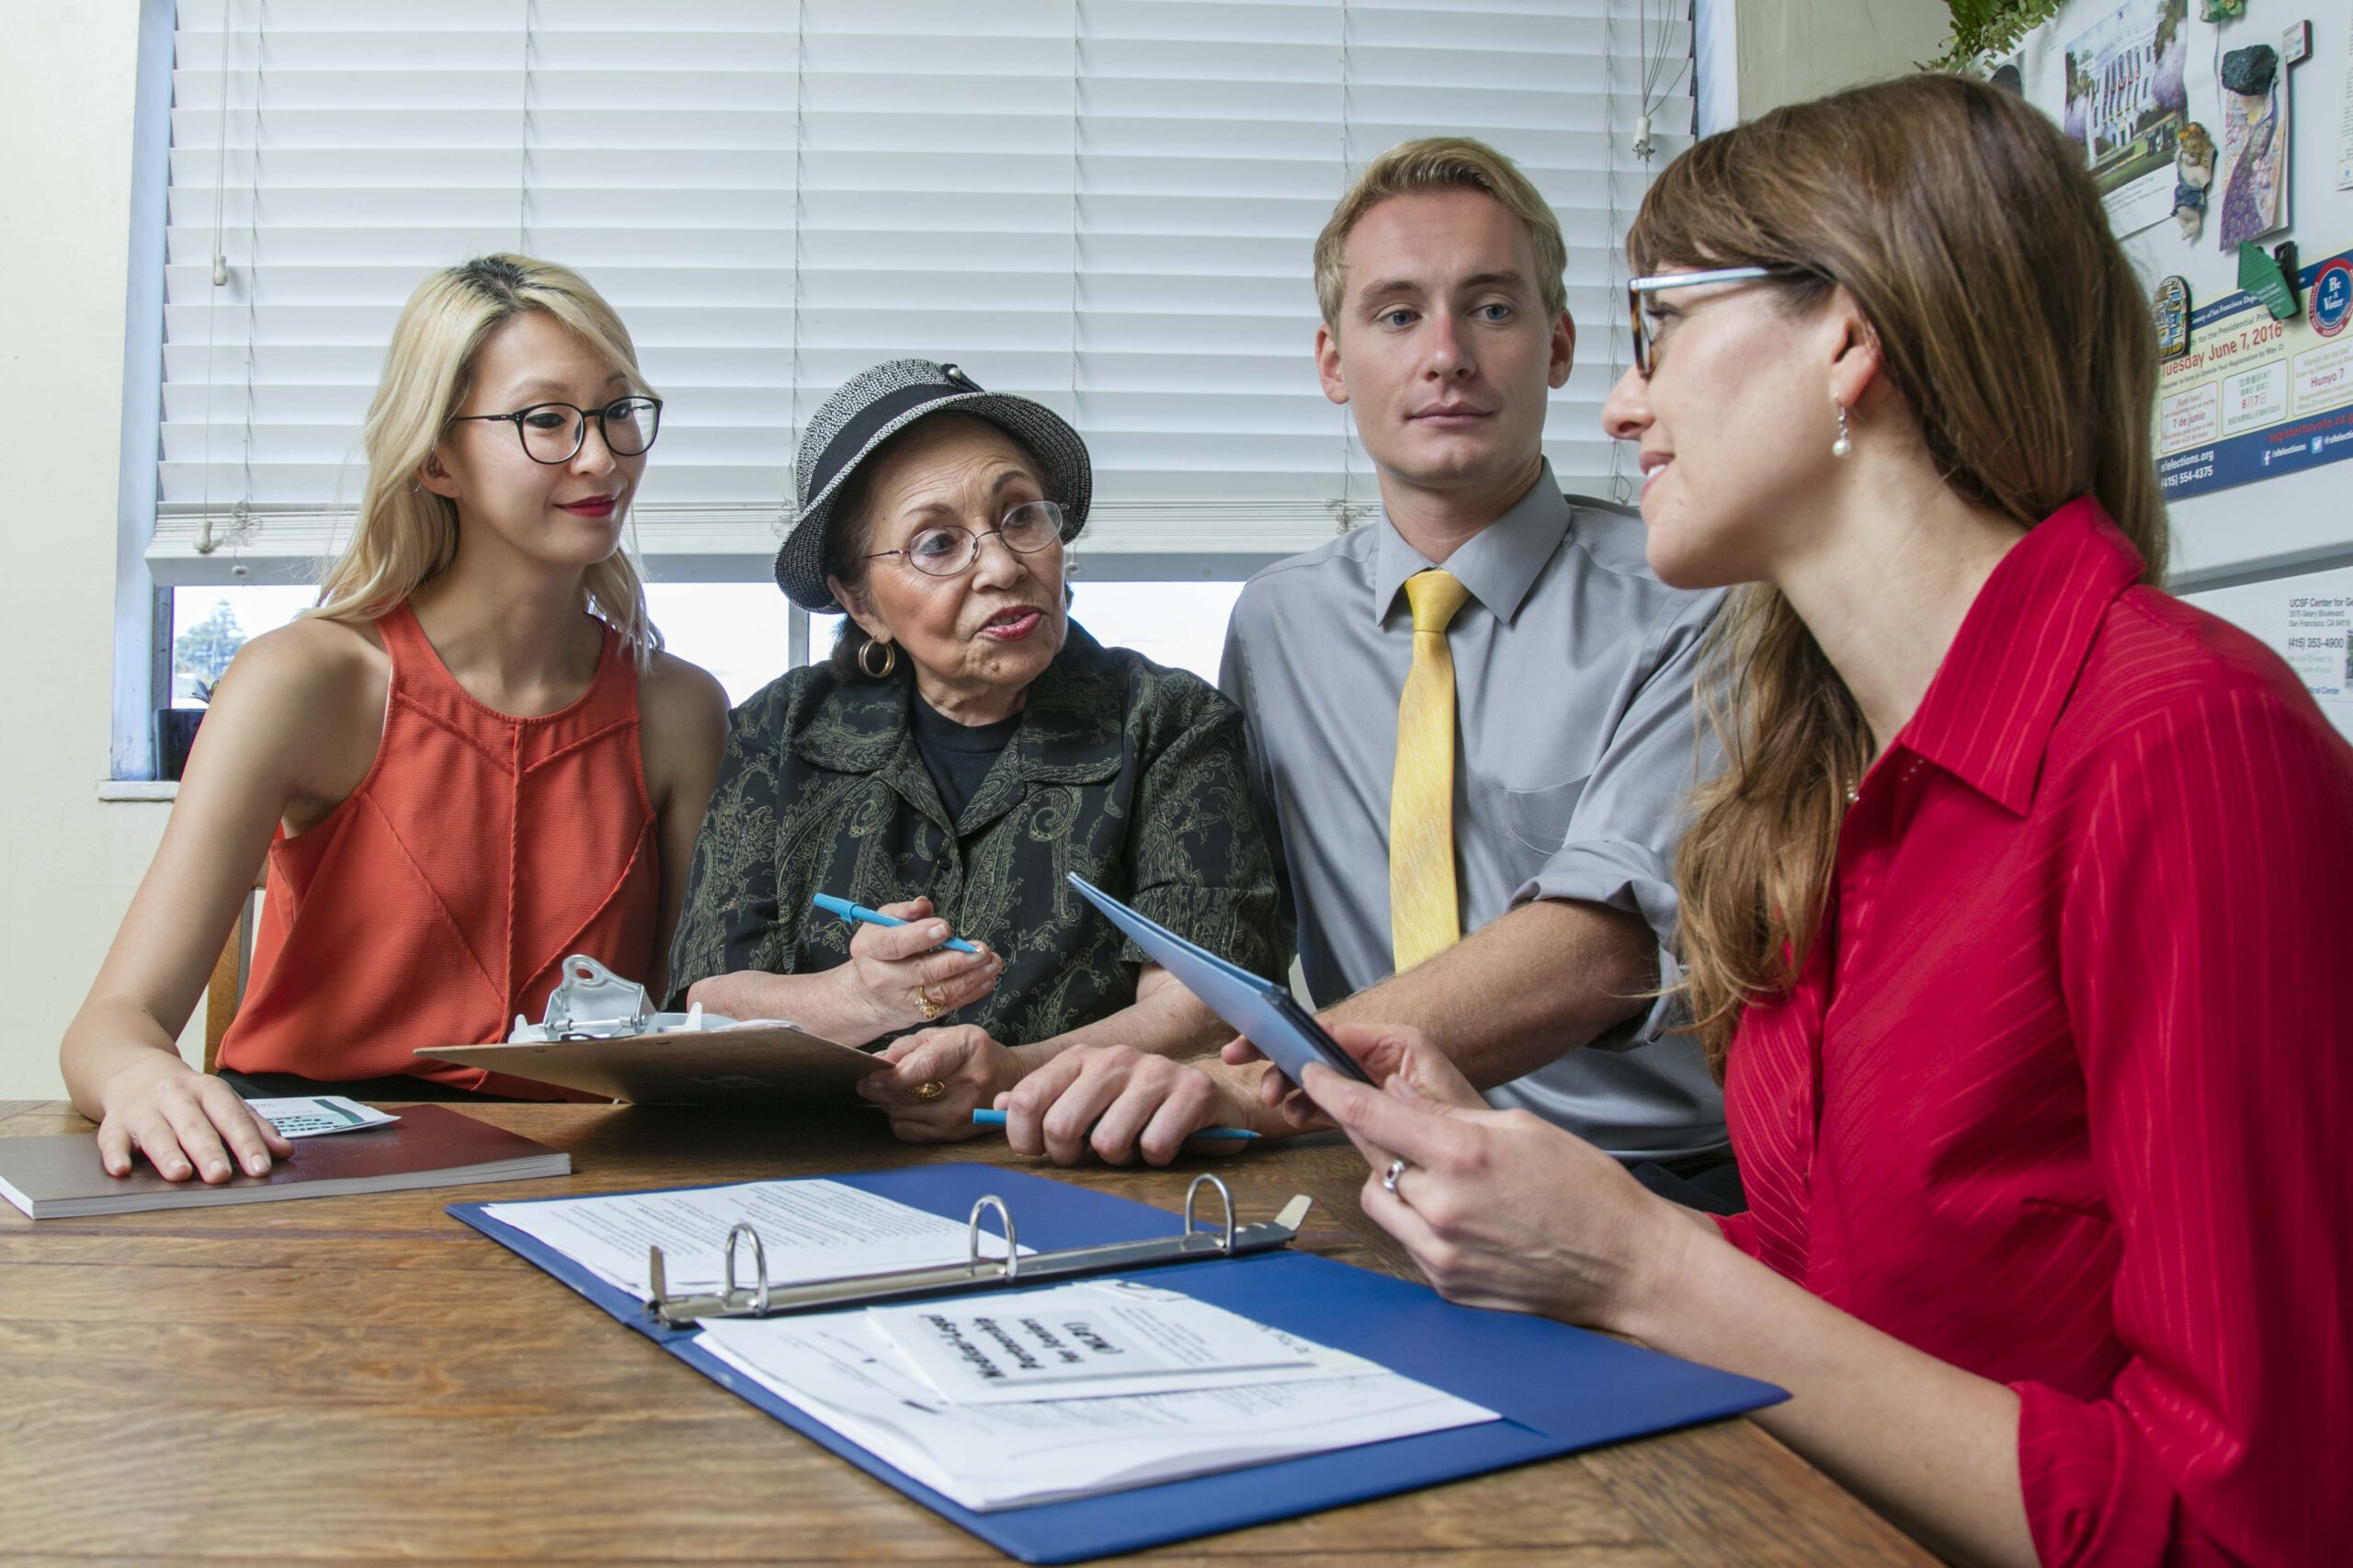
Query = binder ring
x=1225 y=1243
x=973 y=1238
x=759 y=1261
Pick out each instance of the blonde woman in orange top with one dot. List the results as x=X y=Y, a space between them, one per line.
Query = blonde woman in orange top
x=472 y=759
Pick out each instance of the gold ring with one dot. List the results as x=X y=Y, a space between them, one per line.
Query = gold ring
x=931 y=1010
x=930 y=1089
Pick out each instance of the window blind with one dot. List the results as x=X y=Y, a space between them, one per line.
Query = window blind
x=1106 y=205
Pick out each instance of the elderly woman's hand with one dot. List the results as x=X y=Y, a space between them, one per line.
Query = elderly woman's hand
x=1500 y=1209
x=898 y=975
x=939 y=1077
x=1119 y=1102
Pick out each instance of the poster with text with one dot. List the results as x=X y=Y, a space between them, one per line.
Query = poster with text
x=2126 y=103
x=2254 y=397
x=2307 y=620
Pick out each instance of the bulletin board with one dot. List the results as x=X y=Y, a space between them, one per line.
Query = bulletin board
x=2254 y=418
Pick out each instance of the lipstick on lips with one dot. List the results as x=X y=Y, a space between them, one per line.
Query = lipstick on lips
x=591 y=506
x=1011 y=625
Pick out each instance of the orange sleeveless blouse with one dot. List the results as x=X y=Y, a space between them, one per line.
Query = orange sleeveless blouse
x=440 y=898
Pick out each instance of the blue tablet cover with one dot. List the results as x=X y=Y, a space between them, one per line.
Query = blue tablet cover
x=1558 y=1389
x=1260 y=1010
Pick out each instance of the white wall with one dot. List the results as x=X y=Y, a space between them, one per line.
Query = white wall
x=68 y=862
x=1790 y=50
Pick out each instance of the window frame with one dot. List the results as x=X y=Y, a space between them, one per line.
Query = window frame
x=146 y=577
x=142 y=610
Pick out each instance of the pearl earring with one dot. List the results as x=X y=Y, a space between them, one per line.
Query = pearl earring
x=1842 y=446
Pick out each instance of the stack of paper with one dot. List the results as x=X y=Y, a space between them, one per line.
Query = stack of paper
x=809 y=1230
x=1011 y=1399
x=999 y=1398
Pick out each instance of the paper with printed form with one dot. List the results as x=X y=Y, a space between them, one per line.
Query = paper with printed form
x=809 y=1230
x=838 y=1368
x=1094 y=1340
x=315 y=1116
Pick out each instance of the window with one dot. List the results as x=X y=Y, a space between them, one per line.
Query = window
x=1106 y=205
x=741 y=633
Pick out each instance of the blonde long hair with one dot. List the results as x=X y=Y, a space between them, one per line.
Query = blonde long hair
x=406 y=534
x=1964 y=226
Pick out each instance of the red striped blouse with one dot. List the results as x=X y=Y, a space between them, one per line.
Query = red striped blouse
x=2064 y=1092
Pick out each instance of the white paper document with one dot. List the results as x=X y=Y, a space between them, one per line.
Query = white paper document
x=1093 y=1340
x=809 y=1230
x=315 y=1115
x=838 y=1368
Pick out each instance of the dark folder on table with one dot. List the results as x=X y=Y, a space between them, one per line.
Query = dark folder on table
x=1558 y=1389
x=60 y=1177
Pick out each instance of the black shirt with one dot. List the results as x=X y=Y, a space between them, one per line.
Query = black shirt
x=958 y=757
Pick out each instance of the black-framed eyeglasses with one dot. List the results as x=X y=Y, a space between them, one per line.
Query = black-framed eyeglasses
x=554 y=432
x=944 y=550
x=1638 y=288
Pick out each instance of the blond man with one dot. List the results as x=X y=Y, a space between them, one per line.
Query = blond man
x=1478 y=816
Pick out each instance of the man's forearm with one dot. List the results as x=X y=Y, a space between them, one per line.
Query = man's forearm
x=1164 y=1021
x=1521 y=991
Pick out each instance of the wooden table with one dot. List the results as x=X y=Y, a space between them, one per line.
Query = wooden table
x=366 y=1380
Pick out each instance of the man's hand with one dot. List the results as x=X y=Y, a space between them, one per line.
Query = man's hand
x=1115 y=1102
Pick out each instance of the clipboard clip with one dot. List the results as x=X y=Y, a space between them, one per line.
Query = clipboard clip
x=593 y=1003
x=1196 y=1243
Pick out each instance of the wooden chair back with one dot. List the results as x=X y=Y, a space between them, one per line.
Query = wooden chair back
x=227 y=987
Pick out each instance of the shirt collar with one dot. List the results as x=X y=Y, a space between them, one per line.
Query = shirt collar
x=1499 y=563
x=1071 y=728
x=1989 y=713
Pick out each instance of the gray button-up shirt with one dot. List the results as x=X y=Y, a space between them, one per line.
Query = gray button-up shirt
x=1574 y=669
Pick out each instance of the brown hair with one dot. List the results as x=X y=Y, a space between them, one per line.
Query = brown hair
x=1442 y=163
x=1965 y=228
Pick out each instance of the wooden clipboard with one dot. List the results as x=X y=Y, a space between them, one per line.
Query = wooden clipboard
x=766 y=1063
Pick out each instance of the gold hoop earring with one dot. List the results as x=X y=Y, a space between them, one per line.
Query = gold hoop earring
x=889 y=660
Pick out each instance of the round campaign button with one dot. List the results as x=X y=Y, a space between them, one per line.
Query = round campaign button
x=2332 y=298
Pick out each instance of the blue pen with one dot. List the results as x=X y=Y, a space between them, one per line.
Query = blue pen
x=854 y=913
x=1204 y=1134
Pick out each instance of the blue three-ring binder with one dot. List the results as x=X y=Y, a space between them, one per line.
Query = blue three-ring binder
x=1558 y=1389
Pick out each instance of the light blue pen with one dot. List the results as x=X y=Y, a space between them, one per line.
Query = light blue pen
x=1198 y=1135
x=854 y=913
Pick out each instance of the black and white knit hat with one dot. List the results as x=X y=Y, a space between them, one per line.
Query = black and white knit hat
x=876 y=404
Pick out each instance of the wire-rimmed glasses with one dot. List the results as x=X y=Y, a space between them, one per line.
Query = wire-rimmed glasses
x=1639 y=287
x=944 y=550
x=553 y=433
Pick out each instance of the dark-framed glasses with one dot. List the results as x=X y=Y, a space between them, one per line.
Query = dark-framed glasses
x=554 y=432
x=943 y=550
x=1639 y=288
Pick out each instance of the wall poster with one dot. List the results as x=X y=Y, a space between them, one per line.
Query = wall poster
x=2126 y=103
x=2254 y=397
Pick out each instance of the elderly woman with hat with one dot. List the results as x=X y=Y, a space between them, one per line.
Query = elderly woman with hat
x=965 y=746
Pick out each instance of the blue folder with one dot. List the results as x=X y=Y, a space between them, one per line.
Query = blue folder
x=1558 y=1389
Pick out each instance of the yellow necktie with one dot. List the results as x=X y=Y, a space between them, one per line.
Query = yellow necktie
x=1424 y=915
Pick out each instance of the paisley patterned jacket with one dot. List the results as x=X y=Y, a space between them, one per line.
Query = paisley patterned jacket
x=1129 y=774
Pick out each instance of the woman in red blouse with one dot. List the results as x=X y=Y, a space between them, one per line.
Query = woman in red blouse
x=2016 y=918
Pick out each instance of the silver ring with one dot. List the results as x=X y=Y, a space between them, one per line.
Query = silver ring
x=1389 y=1178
